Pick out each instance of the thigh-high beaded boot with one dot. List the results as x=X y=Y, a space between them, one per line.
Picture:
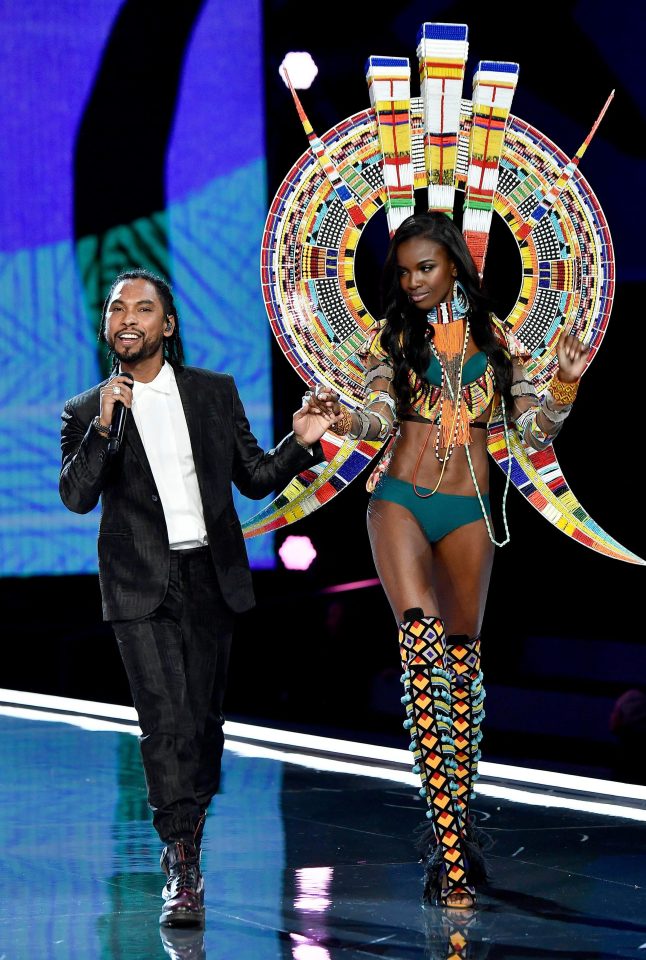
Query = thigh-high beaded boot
x=427 y=699
x=458 y=934
x=467 y=713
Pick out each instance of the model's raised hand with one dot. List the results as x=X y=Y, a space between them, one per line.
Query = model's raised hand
x=572 y=355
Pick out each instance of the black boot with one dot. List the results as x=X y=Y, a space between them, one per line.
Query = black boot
x=183 y=943
x=184 y=890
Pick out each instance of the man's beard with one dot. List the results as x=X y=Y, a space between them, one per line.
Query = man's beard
x=144 y=350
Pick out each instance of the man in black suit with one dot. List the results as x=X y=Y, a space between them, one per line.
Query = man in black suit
x=173 y=566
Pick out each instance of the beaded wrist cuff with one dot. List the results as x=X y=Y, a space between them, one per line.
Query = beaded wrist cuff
x=342 y=426
x=563 y=392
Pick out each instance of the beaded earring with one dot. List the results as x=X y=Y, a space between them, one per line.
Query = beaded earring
x=454 y=309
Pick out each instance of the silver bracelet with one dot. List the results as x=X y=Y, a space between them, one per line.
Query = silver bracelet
x=364 y=426
x=551 y=412
x=381 y=371
x=101 y=428
x=522 y=388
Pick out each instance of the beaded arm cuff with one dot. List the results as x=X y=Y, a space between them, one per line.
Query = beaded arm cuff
x=523 y=388
x=554 y=408
x=563 y=393
x=382 y=370
x=366 y=428
x=552 y=411
x=379 y=407
x=375 y=419
x=341 y=427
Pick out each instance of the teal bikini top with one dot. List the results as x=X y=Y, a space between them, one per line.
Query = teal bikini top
x=471 y=371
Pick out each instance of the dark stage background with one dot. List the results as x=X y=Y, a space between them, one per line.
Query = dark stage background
x=562 y=637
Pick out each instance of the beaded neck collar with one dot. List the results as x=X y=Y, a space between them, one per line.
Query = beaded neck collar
x=454 y=309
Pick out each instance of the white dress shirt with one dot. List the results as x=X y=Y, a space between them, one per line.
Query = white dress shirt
x=159 y=415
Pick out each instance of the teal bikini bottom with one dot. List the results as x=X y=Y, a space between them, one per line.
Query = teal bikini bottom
x=437 y=515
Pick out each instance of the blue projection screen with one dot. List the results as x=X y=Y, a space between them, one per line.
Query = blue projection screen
x=127 y=142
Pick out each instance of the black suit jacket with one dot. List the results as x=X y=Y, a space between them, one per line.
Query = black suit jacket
x=134 y=553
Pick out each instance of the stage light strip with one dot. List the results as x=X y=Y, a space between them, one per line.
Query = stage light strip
x=498 y=771
x=514 y=795
x=353 y=585
x=75 y=719
x=91 y=715
x=114 y=711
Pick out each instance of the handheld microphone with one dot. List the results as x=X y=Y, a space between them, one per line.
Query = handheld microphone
x=118 y=422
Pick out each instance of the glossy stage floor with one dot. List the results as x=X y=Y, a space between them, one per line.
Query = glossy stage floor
x=307 y=852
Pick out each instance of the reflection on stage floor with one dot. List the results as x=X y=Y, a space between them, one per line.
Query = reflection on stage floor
x=308 y=852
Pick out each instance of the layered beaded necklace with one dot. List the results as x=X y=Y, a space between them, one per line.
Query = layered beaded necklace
x=450 y=337
x=496 y=543
x=449 y=342
x=453 y=423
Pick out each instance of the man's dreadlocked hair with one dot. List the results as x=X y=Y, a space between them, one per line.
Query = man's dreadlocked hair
x=173 y=348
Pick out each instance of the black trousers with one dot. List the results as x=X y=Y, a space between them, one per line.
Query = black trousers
x=176 y=661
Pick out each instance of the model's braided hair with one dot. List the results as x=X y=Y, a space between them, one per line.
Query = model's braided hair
x=173 y=348
x=405 y=339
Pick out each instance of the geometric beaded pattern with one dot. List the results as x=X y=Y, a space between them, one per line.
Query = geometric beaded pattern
x=427 y=699
x=442 y=50
x=344 y=459
x=388 y=81
x=494 y=84
x=566 y=268
x=537 y=475
x=467 y=713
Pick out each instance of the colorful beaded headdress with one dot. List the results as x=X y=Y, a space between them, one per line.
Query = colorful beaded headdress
x=441 y=143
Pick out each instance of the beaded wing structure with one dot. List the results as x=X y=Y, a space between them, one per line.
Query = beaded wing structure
x=450 y=147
